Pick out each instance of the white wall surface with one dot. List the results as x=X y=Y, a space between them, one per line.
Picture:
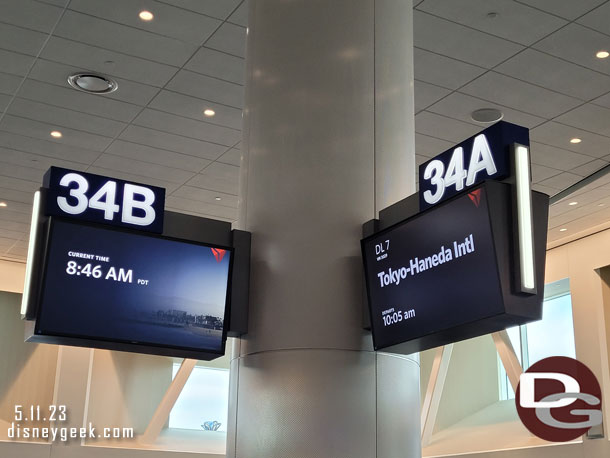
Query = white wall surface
x=12 y=275
x=582 y=261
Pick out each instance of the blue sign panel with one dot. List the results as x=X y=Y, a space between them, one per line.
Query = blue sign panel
x=481 y=157
x=100 y=199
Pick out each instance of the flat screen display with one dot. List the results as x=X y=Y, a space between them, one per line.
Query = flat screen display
x=433 y=272
x=114 y=285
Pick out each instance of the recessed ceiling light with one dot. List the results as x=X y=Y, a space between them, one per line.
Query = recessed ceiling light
x=601 y=205
x=573 y=203
x=575 y=140
x=218 y=198
x=492 y=15
x=56 y=134
x=209 y=112
x=486 y=115
x=146 y=15
x=602 y=54
x=92 y=83
x=563 y=229
x=3 y=204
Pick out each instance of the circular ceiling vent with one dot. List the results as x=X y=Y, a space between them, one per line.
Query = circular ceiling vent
x=486 y=115
x=92 y=83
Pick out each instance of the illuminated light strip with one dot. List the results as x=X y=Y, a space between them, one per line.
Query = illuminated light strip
x=524 y=218
x=31 y=250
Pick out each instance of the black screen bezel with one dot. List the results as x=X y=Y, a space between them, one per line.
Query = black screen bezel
x=448 y=201
x=90 y=340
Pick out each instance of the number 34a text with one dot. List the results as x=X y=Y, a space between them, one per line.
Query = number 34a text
x=480 y=159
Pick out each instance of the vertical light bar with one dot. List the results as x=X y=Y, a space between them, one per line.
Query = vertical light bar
x=524 y=218
x=31 y=251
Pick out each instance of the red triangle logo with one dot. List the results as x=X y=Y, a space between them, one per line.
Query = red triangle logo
x=218 y=253
x=475 y=196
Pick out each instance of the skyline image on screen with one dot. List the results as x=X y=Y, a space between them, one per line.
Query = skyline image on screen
x=113 y=285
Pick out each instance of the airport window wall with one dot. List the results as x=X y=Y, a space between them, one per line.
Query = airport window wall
x=203 y=403
x=552 y=336
x=27 y=371
x=108 y=389
x=476 y=410
x=136 y=385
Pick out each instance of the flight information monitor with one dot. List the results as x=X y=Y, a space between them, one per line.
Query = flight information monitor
x=433 y=272
x=112 y=285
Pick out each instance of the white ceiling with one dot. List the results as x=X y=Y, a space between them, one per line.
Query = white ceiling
x=152 y=130
x=535 y=61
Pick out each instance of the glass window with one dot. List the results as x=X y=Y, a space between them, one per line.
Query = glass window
x=551 y=336
x=554 y=335
x=203 y=403
x=506 y=390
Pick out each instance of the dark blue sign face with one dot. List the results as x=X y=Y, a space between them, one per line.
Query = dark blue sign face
x=107 y=284
x=481 y=157
x=433 y=273
x=100 y=199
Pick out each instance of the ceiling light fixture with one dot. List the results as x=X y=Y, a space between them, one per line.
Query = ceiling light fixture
x=486 y=115
x=146 y=15
x=563 y=229
x=92 y=82
x=209 y=112
x=56 y=134
x=575 y=140
x=218 y=198
x=602 y=54
x=3 y=204
x=601 y=205
x=573 y=203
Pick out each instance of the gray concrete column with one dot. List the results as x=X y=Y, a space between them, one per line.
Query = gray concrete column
x=328 y=141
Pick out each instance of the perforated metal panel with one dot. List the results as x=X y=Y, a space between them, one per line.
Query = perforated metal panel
x=306 y=376
x=398 y=407
x=326 y=404
x=306 y=404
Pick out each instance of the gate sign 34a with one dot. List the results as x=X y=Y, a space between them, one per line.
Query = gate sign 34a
x=481 y=157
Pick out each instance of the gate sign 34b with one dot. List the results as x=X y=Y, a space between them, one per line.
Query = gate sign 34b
x=100 y=199
x=479 y=158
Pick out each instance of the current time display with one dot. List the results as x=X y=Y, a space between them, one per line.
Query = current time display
x=88 y=270
x=101 y=269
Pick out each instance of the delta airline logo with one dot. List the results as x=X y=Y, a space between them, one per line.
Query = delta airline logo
x=475 y=196
x=218 y=253
x=559 y=399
